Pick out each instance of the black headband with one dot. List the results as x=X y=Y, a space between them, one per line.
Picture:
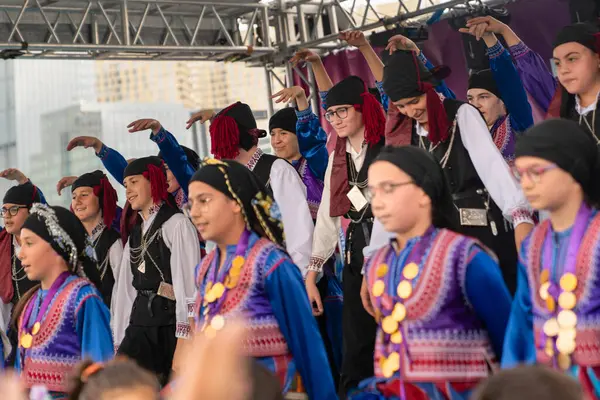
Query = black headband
x=25 y=195
x=285 y=119
x=583 y=33
x=484 y=80
x=140 y=165
x=347 y=91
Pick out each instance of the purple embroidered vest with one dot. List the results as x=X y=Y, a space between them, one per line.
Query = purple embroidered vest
x=445 y=338
x=587 y=341
x=314 y=186
x=56 y=349
x=249 y=299
x=504 y=139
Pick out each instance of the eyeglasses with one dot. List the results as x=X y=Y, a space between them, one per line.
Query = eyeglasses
x=386 y=188
x=202 y=203
x=534 y=173
x=341 y=113
x=14 y=210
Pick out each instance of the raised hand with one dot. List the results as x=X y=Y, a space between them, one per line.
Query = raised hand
x=400 y=42
x=201 y=116
x=304 y=55
x=354 y=38
x=13 y=174
x=493 y=25
x=85 y=142
x=65 y=183
x=288 y=95
x=144 y=124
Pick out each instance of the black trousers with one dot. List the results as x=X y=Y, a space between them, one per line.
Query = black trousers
x=359 y=328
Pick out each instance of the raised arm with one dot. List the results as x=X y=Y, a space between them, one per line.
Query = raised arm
x=112 y=160
x=322 y=78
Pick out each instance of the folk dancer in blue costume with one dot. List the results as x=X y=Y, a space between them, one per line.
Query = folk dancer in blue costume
x=555 y=314
x=94 y=202
x=250 y=275
x=234 y=135
x=297 y=136
x=155 y=288
x=63 y=320
x=13 y=280
x=438 y=296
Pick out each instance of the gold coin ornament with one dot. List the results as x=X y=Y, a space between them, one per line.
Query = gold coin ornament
x=217 y=322
x=378 y=288
x=565 y=345
x=208 y=287
x=410 y=271
x=549 y=351
x=218 y=289
x=399 y=312
x=382 y=270
x=396 y=338
x=238 y=263
x=551 y=328
x=568 y=282
x=387 y=370
x=544 y=290
x=567 y=300
x=394 y=360
x=36 y=328
x=210 y=297
x=389 y=325
x=551 y=304
x=569 y=334
x=404 y=289
x=545 y=276
x=26 y=341
x=564 y=361
x=567 y=319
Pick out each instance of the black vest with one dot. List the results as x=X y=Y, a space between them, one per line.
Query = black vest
x=372 y=153
x=262 y=169
x=22 y=284
x=581 y=120
x=148 y=309
x=459 y=170
x=108 y=237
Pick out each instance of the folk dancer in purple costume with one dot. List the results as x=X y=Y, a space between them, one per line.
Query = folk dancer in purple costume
x=297 y=136
x=94 y=202
x=62 y=320
x=555 y=314
x=438 y=296
x=250 y=275
x=155 y=287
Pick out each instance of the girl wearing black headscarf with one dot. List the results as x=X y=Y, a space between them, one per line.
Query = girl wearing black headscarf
x=555 y=312
x=250 y=275
x=94 y=202
x=487 y=199
x=63 y=319
x=429 y=282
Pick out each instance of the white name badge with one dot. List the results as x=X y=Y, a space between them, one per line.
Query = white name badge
x=357 y=199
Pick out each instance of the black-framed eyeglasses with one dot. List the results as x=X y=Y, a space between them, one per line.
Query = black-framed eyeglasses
x=14 y=210
x=385 y=188
x=341 y=113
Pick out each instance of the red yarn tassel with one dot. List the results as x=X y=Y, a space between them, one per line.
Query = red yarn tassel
x=373 y=118
x=224 y=137
x=158 y=183
x=437 y=119
x=109 y=200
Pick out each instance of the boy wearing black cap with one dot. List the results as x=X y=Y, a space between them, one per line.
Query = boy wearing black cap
x=555 y=314
x=94 y=202
x=155 y=289
x=234 y=135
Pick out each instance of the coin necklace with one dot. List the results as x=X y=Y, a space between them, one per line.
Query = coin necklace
x=215 y=291
x=559 y=331
x=395 y=314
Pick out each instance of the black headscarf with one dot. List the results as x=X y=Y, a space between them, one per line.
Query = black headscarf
x=237 y=182
x=23 y=195
x=67 y=236
x=566 y=144
x=583 y=33
x=484 y=80
x=347 y=91
x=102 y=188
x=192 y=157
x=426 y=173
x=285 y=119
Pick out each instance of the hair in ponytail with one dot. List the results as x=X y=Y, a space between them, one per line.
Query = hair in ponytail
x=20 y=306
x=91 y=380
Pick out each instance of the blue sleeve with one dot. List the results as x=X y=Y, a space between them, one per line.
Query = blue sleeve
x=114 y=162
x=385 y=100
x=312 y=142
x=323 y=95
x=488 y=294
x=93 y=326
x=519 y=346
x=288 y=298
x=174 y=157
x=442 y=88
x=511 y=88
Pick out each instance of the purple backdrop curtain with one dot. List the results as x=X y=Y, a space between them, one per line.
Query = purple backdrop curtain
x=536 y=22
